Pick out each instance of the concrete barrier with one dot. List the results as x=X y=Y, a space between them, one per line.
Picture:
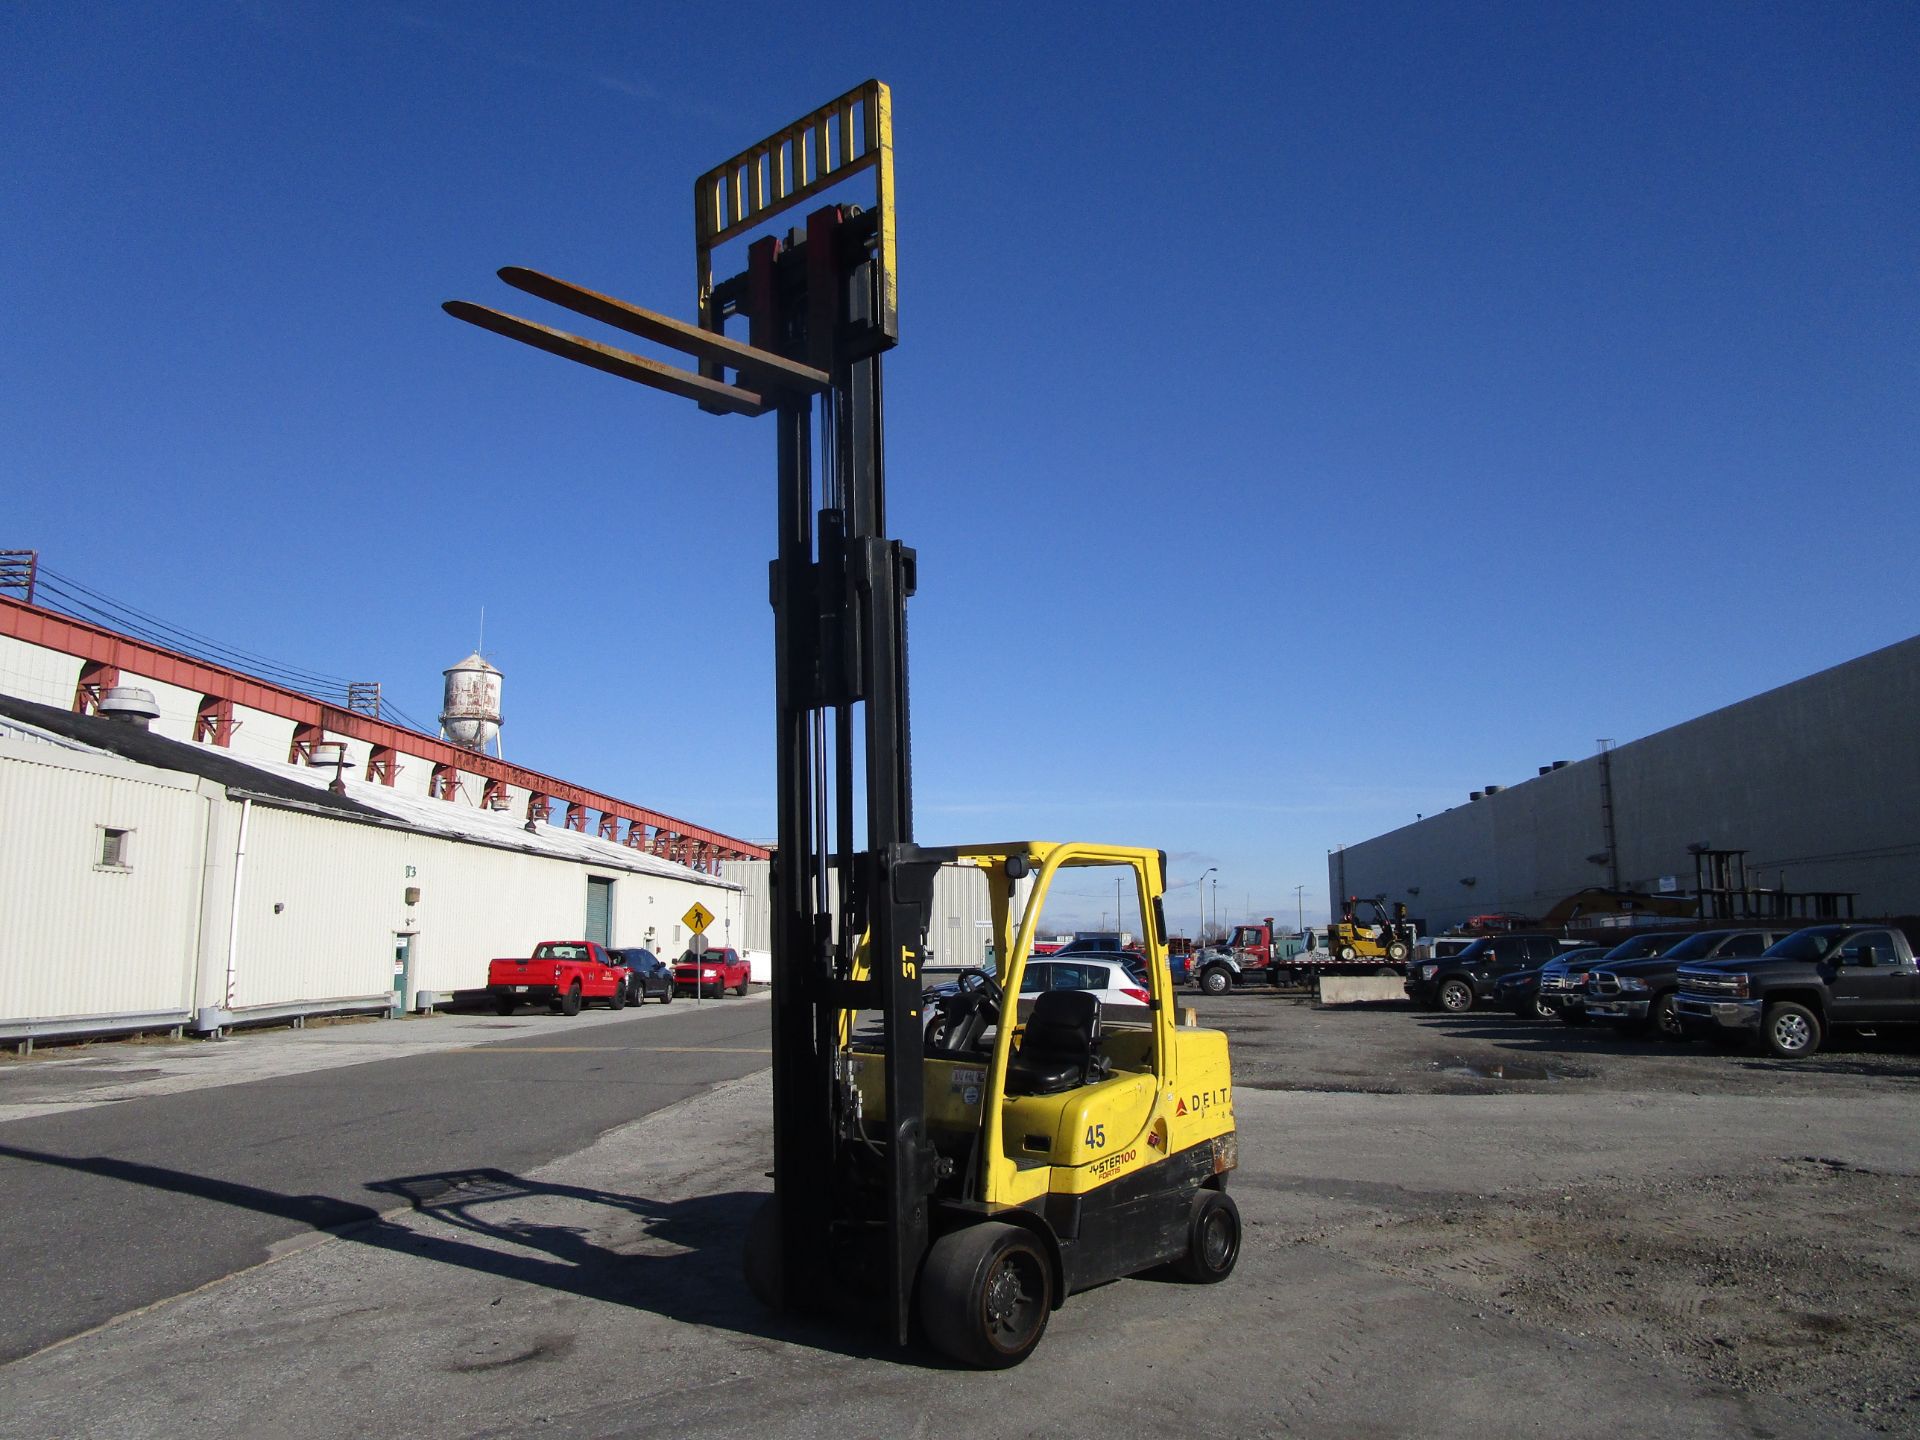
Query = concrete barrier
x=1357 y=989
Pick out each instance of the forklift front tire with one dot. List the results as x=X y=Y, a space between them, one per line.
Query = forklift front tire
x=1213 y=1239
x=985 y=1294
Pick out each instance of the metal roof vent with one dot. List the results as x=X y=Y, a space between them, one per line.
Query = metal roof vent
x=1473 y=795
x=1495 y=789
x=130 y=705
x=1561 y=764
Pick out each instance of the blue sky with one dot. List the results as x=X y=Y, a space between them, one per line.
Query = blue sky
x=1304 y=414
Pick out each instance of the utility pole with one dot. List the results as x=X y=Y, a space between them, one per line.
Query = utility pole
x=1203 y=903
x=1299 y=910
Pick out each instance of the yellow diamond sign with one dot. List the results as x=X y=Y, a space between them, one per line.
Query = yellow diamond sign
x=698 y=918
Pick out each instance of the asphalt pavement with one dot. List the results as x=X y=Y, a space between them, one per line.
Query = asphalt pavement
x=119 y=1202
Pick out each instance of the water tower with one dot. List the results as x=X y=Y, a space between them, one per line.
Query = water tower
x=470 y=713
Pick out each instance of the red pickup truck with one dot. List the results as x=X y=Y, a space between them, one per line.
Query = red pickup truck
x=562 y=973
x=719 y=970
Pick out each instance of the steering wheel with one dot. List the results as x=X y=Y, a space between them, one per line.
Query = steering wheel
x=976 y=981
x=958 y=1020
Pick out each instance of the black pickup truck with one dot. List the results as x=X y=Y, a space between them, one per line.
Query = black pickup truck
x=1639 y=994
x=1792 y=996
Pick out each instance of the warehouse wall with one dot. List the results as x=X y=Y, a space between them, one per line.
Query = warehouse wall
x=340 y=892
x=308 y=916
x=1818 y=780
x=81 y=938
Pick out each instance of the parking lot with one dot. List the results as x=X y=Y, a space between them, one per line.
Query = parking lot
x=1456 y=1226
x=1717 y=1230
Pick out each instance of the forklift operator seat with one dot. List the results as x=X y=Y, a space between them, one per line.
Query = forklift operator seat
x=1058 y=1048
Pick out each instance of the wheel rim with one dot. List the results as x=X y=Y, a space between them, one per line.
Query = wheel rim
x=1217 y=1242
x=1014 y=1300
x=1792 y=1032
x=1543 y=1010
x=1665 y=1019
x=1454 y=997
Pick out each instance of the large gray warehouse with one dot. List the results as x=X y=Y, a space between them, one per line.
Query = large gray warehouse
x=1817 y=782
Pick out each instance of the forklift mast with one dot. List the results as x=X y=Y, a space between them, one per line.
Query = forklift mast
x=851 y=892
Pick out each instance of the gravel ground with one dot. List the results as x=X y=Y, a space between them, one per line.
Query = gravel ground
x=1796 y=1276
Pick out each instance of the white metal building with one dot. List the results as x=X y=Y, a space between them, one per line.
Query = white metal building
x=151 y=882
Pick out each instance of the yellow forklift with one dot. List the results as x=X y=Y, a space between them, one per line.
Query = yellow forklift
x=1369 y=930
x=956 y=1175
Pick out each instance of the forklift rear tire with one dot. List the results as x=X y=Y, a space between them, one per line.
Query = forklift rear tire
x=986 y=1292
x=1213 y=1239
x=1347 y=952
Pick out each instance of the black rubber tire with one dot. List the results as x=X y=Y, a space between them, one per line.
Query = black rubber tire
x=1663 y=1020
x=741 y=988
x=1397 y=951
x=1543 y=1011
x=986 y=1293
x=1456 y=996
x=760 y=1256
x=570 y=1002
x=1791 y=1030
x=617 y=1000
x=1216 y=980
x=1347 y=952
x=667 y=999
x=506 y=1004
x=1386 y=971
x=1213 y=1239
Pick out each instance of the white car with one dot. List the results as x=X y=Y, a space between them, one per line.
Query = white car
x=1110 y=979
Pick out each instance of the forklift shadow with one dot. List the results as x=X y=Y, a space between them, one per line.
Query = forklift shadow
x=700 y=1282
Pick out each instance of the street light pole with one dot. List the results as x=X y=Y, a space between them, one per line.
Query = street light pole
x=1299 y=910
x=1203 y=903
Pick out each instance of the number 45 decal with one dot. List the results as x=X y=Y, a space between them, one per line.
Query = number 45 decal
x=1096 y=1137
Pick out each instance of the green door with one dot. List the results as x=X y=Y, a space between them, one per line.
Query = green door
x=402 y=973
x=599 y=910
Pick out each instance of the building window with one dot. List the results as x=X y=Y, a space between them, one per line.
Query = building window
x=114 y=848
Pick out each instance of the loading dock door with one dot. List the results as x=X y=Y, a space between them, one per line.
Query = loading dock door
x=599 y=910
